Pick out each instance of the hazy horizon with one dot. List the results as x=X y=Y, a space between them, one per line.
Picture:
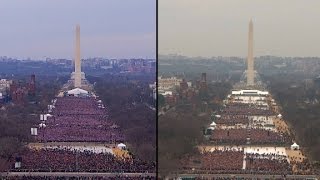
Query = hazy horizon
x=111 y=29
x=220 y=27
x=175 y=54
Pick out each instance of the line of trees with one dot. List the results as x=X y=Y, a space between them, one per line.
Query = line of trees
x=300 y=105
x=127 y=97
x=181 y=129
x=17 y=119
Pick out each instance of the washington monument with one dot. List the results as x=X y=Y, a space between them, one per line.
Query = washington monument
x=250 y=63
x=78 y=78
x=77 y=63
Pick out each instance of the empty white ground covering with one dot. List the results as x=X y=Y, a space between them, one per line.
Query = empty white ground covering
x=226 y=148
x=277 y=152
x=266 y=150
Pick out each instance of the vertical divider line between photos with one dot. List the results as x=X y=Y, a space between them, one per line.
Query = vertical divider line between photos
x=157 y=61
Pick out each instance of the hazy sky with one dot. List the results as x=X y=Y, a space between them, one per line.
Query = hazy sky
x=109 y=28
x=220 y=27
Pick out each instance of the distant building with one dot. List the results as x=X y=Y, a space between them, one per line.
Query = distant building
x=183 y=85
x=19 y=92
x=165 y=93
x=154 y=94
x=168 y=83
x=154 y=90
x=153 y=86
x=5 y=85
x=171 y=99
x=256 y=97
x=32 y=85
x=250 y=92
x=203 y=82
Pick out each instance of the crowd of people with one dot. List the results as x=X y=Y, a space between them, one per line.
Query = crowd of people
x=302 y=166
x=262 y=136
x=117 y=177
x=62 y=160
x=221 y=161
x=245 y=109
x=80 y=119
x=79 y=134
x=83 y=120
x=246 y=124
x=243 y=136
x=232 y=161
x=77 y=105
x=234 y=136
x=232 y=119
x=270 y=163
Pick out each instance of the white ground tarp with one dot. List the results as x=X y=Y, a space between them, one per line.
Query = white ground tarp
x=77 y=91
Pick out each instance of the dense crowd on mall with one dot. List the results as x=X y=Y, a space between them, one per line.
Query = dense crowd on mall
x=79 y=119
x=245 y=109
x=242 y=136
x=232 y=119
x=272 y=163
x=236 y=161
x=116 y=177
x=62 y=160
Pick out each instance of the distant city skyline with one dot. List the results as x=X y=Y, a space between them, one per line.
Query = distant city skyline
x=241 y=57
x=109 y=28
x=208 y=28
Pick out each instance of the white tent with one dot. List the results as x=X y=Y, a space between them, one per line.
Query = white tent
x=295 y=146
x=121 y=146
x=114 y=126
x=17 y=165
x=34 y=131
x=218 y=116
x=213 y=124
x=42 y=125
x=77 y=92
x=279 y=116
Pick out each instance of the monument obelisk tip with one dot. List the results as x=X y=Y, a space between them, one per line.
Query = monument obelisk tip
x=77 y=64
x=250 y=60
